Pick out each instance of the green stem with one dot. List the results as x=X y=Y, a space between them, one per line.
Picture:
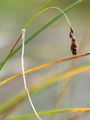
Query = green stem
x=26 y=26
x=45 y=5
x=46 y=25
x=56 y=111
x=42 y=113
x=37 y=88
x=5 y=60
x=40 y=30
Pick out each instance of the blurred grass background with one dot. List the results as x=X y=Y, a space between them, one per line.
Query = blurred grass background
x=51 y=44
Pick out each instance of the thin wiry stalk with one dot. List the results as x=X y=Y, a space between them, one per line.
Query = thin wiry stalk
x=24 y=77
x=22 y=57
x=38 y=87
x=68 y=82
x=38 y=31
x=47 y=25
x=81 y=47
x=27 y=25
x=31 y=20
x=57 y=111
x=43 y=66
x=12 y=49
x=18 y=39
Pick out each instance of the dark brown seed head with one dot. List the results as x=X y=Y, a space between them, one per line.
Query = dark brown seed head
x=70 y=35
x=71 y=30
x=73 y=40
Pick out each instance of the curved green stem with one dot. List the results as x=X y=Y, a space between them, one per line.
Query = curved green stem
x=39 y=31
x=26 y=26
x=47 y=25
x=35 y=16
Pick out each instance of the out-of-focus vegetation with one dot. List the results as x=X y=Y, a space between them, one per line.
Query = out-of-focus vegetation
x=51 y=44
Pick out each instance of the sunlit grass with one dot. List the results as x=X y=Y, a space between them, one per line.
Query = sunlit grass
x=47 y=65
x=11 y=104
